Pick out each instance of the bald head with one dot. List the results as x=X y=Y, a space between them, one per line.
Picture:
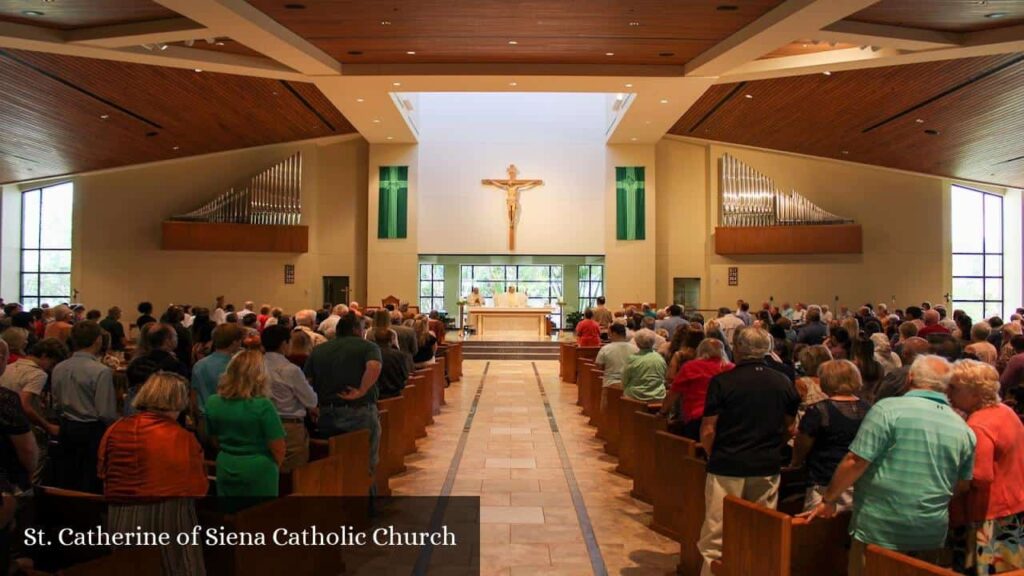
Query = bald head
x=912 y=348
x=931 y=317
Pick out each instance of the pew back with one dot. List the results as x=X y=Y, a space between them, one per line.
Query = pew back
x=670 y=501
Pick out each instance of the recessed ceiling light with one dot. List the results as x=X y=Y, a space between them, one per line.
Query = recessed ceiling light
x=996 y=15
x=391 y=138
x=629 y=85
x=410 y=52
x=609 y=53
x=634 y=23
x=396 y=83
x=273 y=93
x=633 y=139
x=199 y=69
x=919 y=120
x=359 y=100
x=827 y=73
x=33 y=13
x=513 y=84
x=220 y=43
x=647 y=121
x=727 y=7
x=512 y=42
x=175 y=148
x=666 y=54
x=295 y=6
x=664 y=101
x=385 y=22
x=376 y=120
x=163 y=46
x=104 y=116
x=803 y=45
x=932 y=132
x=748 y=96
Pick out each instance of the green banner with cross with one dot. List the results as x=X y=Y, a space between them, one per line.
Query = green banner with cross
x=629 y=203
x=393 y=206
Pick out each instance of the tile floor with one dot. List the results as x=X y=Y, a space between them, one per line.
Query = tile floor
x=529 y=524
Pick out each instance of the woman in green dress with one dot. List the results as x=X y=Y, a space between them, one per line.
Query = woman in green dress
x=245 y=428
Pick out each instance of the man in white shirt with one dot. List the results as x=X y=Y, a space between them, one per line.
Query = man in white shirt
x=614 y=356
x=330 y=324
x=728 y=323
x=248 y=309
x=799 y=313
x=304 y=321
x=291 y=394
x=219 y=315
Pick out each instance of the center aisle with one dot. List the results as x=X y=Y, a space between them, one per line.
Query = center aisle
x=530 y=521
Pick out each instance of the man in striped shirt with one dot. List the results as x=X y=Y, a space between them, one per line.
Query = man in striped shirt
x=911 y=454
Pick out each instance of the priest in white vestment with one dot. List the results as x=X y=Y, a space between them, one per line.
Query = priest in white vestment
x=511 y=299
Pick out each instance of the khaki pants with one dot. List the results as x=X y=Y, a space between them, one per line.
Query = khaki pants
x=763 y=490
x=858 y=548
x=296 y=446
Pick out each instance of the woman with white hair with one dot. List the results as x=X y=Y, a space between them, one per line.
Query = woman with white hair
x=987 y=519
x=644 y=377
x=884 y=355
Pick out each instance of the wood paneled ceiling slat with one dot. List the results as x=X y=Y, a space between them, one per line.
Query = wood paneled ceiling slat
x=978 y=123
x=547 y=31
x=72 y=14
x=944 y=15
x=52 y=121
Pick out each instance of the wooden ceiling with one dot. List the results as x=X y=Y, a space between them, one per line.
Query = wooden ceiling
x=880 y=116
x=945 y=15
x=71 y=14
x=63 y=115
x=546 y=31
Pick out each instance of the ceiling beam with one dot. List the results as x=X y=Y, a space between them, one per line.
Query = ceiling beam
x=139 y=33
x=898 y=37
x=36 y=39
x=248 y=26
x=985 y=43
x=787 y=22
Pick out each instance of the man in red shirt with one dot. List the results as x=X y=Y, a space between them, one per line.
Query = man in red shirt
x=931 y=325
x=588 y=332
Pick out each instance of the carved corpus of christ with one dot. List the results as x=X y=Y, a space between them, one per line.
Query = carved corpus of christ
x=512 y=187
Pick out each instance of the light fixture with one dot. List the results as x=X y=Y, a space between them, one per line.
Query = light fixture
x=992 y=15
x=919 y=120
x=385 y=22
x=199 y=69
x=629 y=85
x=634 y=23
x=803 y=45
x=104 y=116
x=827 y=73
x=609 y=53
x=32 y=13
x=748 y=96
x=513 y=84
x=359 y=100
x=175 y=148
x=410 y=52
x=396 y=83
x=664 y=101
x=390 y=137
x=846 y=151
x=512 y=42
x=163 y=47
x=633 y=139
x=220 y=43
x=376 y=120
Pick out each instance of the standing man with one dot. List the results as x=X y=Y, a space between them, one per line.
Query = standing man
x=344 y=373
x=911 y=454
x=291 y=394
x=112 y=324
x=226 y=341
x=749 y=417
x=603 y=316
x=219 y=315
x=85 y=401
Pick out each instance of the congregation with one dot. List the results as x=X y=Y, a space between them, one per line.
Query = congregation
x=909 y=419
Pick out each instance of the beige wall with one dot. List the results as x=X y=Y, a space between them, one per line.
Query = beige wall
x=906 y=252
x=117 y=257
x=629 y=274
x=392 y=264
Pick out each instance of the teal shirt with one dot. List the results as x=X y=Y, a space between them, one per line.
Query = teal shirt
x=919 y=448
x=644 y=377
x=206 y=375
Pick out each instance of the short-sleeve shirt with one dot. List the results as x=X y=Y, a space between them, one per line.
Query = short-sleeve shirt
x=919 y=448
x=24 y=374
x=243 y=427
x=752 y=402
x=613 y=357
x=339 y=364
x=206 y=375
x=644 y=377
x=833 y=425
x=13 y=422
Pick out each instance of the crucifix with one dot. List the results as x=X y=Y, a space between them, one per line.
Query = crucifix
x=512 y=187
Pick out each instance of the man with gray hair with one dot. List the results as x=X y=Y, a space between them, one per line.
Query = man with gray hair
x=304 y=320
x=330 y=324
x=407 y=340
x=911 y=454
x=749 y=414
x=643 y=378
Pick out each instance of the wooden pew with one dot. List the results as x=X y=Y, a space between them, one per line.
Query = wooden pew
x=759 y=540
x=584 y=375
x=420 y=405
x=350 y=456
x=646 y=426
x=410 y=425
x=567 y=361
x=56 y=508
x=398 y=440
x=592 y=407
x=693 y=478
x=610 y=418
x=883 y=562
x=669 y=499
x=437 y=398
x=628 y=435
x=455 y=361
x=384 y=470
x=123 y=562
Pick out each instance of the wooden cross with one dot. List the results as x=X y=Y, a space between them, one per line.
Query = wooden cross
x=512 y=187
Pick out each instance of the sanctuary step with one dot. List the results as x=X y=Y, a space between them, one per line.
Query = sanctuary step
x=498 y=350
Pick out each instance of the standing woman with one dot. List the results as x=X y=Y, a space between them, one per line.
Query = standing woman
x=986 y=521
x=152 y=470
x=244 y=426
x=426 y=341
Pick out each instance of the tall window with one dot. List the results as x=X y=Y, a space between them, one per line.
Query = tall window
x=591 y=285
x=542 y=284
x=46 y=245
x=977 y=252
x=431 y=287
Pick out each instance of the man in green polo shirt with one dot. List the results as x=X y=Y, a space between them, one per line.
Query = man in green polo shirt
x=344 y=373
x=911 y=454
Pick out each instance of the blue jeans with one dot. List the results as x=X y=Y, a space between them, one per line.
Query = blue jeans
x=335 y=420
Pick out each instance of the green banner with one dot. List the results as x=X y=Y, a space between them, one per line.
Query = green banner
x=393 y=208
x=629 y=203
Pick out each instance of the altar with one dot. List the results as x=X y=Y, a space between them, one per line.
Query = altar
x=509 y=323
